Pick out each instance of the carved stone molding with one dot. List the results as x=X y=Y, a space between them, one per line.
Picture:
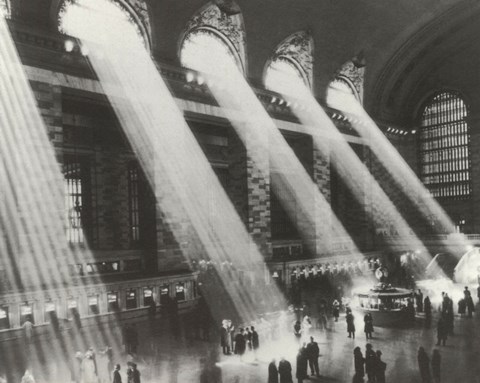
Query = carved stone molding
x=135 y=10
x=231 y=27
x=355 y=75
x=298 y=47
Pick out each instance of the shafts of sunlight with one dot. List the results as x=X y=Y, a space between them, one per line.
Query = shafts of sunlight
x=183 y=180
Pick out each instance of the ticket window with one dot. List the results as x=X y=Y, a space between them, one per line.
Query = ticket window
x=26 y=313
x=4 y=318
x=112 y=302
x=131 y=299
x=50 y=312
x=93 y=306
x=72 y=308
x=147 y=296
x=164 y=294
x=180 y=291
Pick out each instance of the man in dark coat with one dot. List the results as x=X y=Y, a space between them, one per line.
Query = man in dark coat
x=359 y=362
x=272 y=372
x=380 y=367
x=224 y=333
x=442 y=332
x=255 y=341
x=424 y=365
x=302 y=364
x=350 y=325
x=240 y=344
x=117 y=378
x=370 y=360
x=427 y=306
x=368 y=328
x=313 y=353
x=436 y=361
x=419 y=300
x=285 y=371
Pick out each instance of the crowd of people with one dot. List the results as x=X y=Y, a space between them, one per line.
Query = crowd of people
x=245 y=340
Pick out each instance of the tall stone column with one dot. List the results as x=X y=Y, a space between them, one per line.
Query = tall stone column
x=249 y=188
x=322 y=207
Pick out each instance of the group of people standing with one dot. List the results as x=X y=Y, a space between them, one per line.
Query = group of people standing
x=307 y=356
x=87 y=368
x=372 y=365
x=245 y=340
x=424 y=365
x=368 y=324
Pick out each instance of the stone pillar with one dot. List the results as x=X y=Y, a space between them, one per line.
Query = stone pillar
x=250 y=189
x=323 y=216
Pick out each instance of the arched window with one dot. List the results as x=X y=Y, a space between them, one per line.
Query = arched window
x=214 y=41
x=5 y=8
x=206 y=50
x=290 y=70
x=444 y=146
x=284 y=75
x=341 y=95
x=78 y=15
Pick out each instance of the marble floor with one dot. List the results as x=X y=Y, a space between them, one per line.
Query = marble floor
x=163 y=358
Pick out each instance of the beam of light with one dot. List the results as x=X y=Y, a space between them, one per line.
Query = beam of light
x=405 y=179
x=352 y=170
x=185 y=186
x=467 y=270
x=268 y=149
x=32 y=212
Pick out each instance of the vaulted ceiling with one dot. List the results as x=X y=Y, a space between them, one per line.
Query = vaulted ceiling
x=412 y=47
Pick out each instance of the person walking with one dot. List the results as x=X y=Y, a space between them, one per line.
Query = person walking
x=336 y=309
x=370 y=360
x=424 y=365
x=297 y=331
x=285 y=371
x=359 y=362
x=368 y=328
x=427 y=306
x=272 y=372
x=240 y=344
x=436 y=362
x=255 y=341
x=302 y=364
x=135 y=374
x=117 y=378
x=224 y=334
x=313 y=352
x=419 y=300
x=350 y=325
x=380 y=368
x=442 y=332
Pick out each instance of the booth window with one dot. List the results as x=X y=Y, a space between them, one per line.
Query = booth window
x=164 y=293
x=93 y=307
x=72 y=308
x=26 y=313
x=4 y=318
x=131 y=299
x=180 y=291
x=112 y=301
x=147 y=296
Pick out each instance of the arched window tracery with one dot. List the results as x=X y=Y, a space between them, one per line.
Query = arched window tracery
x=290 y=69
x=444 y=152
x=213 y=37
x=120 y=16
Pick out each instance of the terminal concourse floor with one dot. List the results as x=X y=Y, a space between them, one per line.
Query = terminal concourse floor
x=162 y=358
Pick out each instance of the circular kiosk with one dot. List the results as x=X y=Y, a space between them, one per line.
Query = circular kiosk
x=388 y=305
